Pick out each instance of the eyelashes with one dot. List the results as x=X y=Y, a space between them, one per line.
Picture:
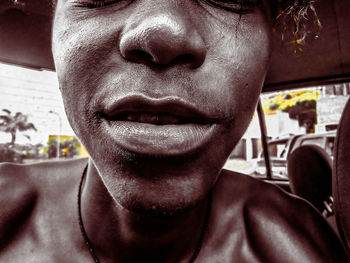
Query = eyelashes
x=236 y=6
x=97 y=3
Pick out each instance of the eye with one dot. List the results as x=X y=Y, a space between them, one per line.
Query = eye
x=237 y=6
x=96 y=3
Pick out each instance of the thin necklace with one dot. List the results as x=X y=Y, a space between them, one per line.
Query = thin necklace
x=91 y=249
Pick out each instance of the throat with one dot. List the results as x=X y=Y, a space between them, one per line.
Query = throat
x=113 y=234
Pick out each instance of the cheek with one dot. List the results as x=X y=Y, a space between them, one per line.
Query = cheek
x=240 y=67
x=77 y=63
x=246 y=67
x=235 y=87
x=78 y=48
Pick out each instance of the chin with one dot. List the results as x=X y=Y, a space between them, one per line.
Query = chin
x=159 y=186
x=166 y=194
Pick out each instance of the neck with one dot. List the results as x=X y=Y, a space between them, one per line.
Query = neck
x=118 y=235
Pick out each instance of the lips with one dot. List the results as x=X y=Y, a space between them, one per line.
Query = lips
x=166 y=127
x=150 y=117
x=143 y=109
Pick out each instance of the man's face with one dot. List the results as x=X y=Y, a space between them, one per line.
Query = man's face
x=160 y=91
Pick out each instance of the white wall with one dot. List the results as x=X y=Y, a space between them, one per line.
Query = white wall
x=34 y=93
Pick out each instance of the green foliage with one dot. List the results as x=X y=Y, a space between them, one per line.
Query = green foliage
x=13 y=123
x=10 y=154
x=18 y=153
x=32 y=151
x=68 y=148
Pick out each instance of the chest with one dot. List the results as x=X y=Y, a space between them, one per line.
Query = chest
x=33 y=248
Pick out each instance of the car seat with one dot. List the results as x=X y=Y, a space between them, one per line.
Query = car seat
x=310 y=176
x=341 y=176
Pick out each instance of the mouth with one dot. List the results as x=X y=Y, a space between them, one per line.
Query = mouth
x=167 y=111
x=151 y=118
x=162 y=127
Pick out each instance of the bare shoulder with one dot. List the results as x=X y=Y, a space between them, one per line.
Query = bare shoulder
x=30 y=194
x=269 y=223
x=17 y=200
x=17 y=180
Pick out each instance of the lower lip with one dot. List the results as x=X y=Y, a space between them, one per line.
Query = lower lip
x=161 y=140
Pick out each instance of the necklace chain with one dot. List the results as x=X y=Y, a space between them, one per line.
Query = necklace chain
x=91 y=249
x=81 y=224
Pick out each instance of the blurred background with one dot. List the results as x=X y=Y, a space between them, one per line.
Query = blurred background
x=33 y=124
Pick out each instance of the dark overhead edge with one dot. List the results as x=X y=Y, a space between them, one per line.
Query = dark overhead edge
x=305 y=83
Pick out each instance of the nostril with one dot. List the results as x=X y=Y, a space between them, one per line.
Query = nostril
x=138 y=55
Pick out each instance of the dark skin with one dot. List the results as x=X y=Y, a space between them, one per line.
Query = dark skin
x=172 y=63
x=161 y=63
x=159 y=92
x=250 y=221
x=155 y=238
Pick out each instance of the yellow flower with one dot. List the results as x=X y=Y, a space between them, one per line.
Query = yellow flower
x=64 y=151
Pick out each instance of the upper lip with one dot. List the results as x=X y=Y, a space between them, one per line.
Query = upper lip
x=173 y=106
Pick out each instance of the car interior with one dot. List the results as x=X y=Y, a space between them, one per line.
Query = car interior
x=310 y=176
x=324 y=59
x=341 y=179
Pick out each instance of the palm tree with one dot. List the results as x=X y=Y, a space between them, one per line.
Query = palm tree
x=10 y=123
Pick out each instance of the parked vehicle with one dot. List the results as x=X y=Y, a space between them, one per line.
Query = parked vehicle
x=279 y=150
x=324 y=140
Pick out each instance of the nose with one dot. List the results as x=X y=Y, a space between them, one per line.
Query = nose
x=163 y=40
